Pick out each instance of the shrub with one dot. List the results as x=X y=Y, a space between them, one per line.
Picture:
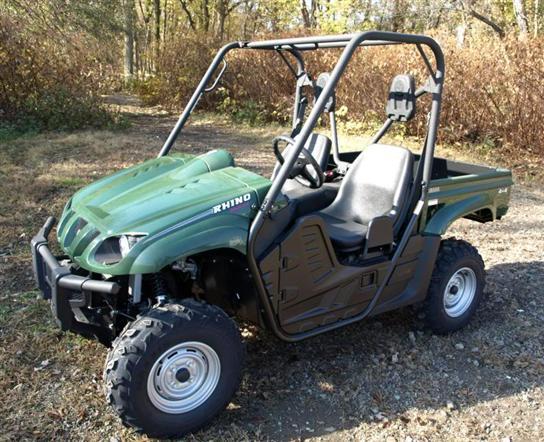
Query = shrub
x=493 y=90
x=180 y=66
x=48 y=84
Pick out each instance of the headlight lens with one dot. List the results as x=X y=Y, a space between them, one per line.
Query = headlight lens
x=127 y=242
x=115 y=248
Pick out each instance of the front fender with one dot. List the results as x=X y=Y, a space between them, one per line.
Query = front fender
x=225 y=231
x=438 y=224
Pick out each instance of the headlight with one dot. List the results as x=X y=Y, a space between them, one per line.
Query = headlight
x=115 y=248
x=127 y=242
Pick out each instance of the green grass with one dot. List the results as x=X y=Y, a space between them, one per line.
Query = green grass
x=27 y=127
x=10 y=132
x=71 y=181
x=11 y=308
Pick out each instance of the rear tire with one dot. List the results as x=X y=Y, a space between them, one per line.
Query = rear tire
x=456 y=288
x=174 y=368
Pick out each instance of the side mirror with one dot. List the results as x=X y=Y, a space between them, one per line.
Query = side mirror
x=401 y=103
x=319 y=85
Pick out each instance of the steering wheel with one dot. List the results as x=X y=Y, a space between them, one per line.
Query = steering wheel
x=306 y=169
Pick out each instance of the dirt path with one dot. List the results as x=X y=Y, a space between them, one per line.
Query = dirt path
x=384 y=378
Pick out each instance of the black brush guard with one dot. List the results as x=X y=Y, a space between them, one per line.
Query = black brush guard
x=62 y=288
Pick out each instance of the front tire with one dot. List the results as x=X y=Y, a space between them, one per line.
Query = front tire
x=456 y=288
x=174 y=368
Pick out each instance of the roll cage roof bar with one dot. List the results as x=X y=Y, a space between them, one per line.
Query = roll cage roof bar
x=350 y=43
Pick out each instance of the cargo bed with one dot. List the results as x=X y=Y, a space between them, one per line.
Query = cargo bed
x=460 y=190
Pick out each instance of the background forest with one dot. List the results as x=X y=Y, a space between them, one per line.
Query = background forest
x=58 y=57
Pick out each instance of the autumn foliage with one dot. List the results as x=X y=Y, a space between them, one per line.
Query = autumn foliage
x=494 y=91
x=49 y=83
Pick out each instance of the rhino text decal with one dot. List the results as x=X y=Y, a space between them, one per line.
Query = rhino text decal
x=234 y=202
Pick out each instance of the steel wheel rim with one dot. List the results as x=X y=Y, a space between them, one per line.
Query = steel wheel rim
x=183 y=377
x=459 y=292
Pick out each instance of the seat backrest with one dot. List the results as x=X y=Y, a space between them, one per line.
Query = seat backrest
x=376 y=184
x=318 y=145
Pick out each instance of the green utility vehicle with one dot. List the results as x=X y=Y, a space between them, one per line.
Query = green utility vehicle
x=159 y=258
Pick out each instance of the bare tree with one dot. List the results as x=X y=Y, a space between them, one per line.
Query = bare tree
x=128 y=15
x=397 y=15
x=190 y=19
x=469 y=9
x=205 y=15
x=521 y=18
x=308 y=15
x=157 y=13
x=198 y=14
x=224 y=9
x=165 y=20
x=535 y=20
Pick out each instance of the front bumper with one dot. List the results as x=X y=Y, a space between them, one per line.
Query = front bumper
x=66 y=290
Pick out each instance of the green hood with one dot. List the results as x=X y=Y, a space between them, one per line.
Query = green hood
x=160 y=199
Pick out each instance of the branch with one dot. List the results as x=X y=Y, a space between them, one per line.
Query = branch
x=145 y=16
x=234 y=6
x=488 y=22
x=305 y=14
x=188 y=13
x=472 y=12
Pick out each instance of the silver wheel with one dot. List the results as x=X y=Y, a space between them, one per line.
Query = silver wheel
x=183 y=377
x=460 y=292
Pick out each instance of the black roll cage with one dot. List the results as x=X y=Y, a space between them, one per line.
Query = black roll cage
x=295 y=46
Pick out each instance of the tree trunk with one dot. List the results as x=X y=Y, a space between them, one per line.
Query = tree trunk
x=205 y=16
x=157 y=13
x=305 y=14
x=185 y=8
x=128 y=14
x=397 y=19
x=460 y=33
x=521 y=18
x=164 y=20
x=313 y=11
x=461 y=29
x=537 y=6
x=222 y=11
x=247 y=12
x=309 y=19
x=467 y=9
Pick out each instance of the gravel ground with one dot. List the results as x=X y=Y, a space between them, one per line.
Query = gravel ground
x=382 y=379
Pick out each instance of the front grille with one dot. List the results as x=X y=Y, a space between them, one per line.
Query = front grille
x=82 y=244
x=70 y=235
x=80 y=234
x=64 y=222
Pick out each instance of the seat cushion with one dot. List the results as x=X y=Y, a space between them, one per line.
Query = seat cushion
x=376 y=185
x=308 y=200
x=345 y=235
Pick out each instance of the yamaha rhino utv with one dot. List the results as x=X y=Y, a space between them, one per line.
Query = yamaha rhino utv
x=160 y=257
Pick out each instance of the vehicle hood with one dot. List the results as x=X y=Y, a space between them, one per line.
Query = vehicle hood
x=157 y=195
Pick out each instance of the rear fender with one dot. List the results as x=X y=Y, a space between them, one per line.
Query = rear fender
x=438 y=224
